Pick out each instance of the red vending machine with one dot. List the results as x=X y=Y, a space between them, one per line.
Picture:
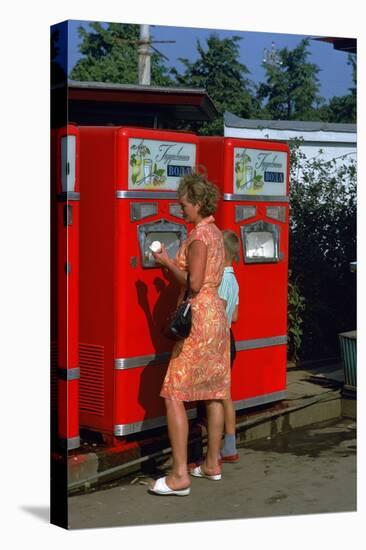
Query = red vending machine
x=254 y=180
x=128 y=185
x=65 y=215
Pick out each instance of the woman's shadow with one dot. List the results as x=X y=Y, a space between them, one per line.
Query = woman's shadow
x=156 y=315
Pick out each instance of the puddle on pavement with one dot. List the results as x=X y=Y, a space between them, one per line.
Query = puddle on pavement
x=310 y=440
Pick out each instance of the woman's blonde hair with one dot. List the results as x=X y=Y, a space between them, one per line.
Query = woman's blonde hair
x=197 y=189
x=231 y=244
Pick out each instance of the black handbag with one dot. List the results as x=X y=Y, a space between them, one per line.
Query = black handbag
x=179 y=322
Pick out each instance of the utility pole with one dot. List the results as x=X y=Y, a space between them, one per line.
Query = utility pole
x=144 y=53
x=144 y=67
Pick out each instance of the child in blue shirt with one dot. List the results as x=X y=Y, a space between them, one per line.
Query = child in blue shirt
x=229 y=292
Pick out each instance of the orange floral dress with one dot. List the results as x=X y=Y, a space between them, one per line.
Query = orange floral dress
x=199 y=367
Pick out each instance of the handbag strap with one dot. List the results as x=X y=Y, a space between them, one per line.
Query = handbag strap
x=188 y=288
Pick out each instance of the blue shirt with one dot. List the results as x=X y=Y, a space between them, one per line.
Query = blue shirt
x=229 y=291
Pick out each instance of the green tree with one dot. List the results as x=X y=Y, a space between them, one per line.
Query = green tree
x=322 y=245
x=291 y=88
x=58 y=104
x=58 y=74
x=219 y=72
x=343 y=108
x=110 y=55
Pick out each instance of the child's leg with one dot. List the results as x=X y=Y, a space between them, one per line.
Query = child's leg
x=229 y=448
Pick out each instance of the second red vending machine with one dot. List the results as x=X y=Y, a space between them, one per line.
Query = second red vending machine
x=65 y=283
x=128 y=187
x=254 y=180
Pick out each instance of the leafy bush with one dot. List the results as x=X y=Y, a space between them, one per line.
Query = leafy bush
x=322 y=245
x=296 y=307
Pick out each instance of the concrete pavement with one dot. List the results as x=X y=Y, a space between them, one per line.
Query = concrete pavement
x=307 y=470
x=313 y=395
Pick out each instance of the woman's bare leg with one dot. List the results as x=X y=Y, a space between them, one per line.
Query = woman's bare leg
x=177 y=419
x=215 y=427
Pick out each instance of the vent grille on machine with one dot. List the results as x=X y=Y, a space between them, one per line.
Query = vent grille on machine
x=91 y=386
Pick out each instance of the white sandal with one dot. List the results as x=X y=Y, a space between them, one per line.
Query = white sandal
x=198 y=472
x=161 y=488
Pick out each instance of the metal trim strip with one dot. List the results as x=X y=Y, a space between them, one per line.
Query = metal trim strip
x=260 y=400
x=127 y=429
x=141 y=361
x=243 y=345
x=70 y=443
x=146 y=194
x=68 y=374
x=255 y=198
x=68 y=196
x=152 y=360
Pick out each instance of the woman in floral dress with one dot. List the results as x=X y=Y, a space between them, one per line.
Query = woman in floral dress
x=199 y=368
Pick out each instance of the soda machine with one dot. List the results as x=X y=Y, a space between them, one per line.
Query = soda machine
x=65 y=197
x=253 y=177
x=128 y=182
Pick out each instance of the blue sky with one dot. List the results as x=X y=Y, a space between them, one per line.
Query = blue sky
x=335 y=74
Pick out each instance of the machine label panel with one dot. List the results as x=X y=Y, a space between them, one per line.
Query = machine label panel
x=155 y=164
x=259 y=172
x=178 y=171
x=275 y=177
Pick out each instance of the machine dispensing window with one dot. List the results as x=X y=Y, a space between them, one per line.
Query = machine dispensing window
x=68 y=154
x=168 y=233
x=260 y=242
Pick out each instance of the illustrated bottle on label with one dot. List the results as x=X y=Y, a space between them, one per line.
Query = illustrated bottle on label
x=147 y=171
x=136 y=170
x=248 y=182
x=239 y=171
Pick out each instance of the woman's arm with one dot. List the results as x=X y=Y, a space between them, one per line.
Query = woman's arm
x=197 y=259
x=166 y=262
x=235 y=314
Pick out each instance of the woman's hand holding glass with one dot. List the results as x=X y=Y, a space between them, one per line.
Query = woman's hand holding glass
x=162 y=257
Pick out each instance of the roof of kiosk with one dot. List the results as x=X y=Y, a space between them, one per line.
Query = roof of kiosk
x=104 y=102
x=342 y=44
x=233 y=121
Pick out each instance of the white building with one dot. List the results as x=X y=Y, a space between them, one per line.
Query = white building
x=337 y=141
